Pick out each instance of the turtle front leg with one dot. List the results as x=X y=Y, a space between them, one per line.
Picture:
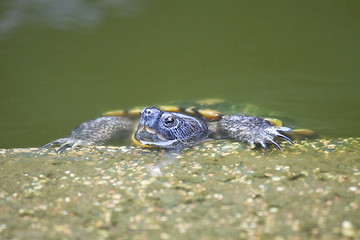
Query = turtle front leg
x=252 y=130
x=99 y=131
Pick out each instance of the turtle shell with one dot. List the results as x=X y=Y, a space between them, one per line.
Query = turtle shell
x=210 y=114
x=214 y=109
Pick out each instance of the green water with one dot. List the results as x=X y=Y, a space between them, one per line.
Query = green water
x=63 y=64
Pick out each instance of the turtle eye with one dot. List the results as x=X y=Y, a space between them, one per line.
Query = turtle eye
x=168 y=121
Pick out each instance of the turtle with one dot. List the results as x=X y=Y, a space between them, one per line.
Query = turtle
x=176 y=127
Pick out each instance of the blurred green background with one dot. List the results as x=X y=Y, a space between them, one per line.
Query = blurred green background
x=65 y=62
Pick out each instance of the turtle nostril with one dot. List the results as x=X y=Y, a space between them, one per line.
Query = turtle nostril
x=148 y=111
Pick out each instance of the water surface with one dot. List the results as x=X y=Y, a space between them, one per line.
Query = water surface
x=64 y=63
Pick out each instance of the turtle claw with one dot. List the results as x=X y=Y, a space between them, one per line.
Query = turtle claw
x=60 y=141
x=276 y=132
x=279 y=134
x=49 y=145
x=63 y=147
x=273 y=132
x=263 y=144
x=275 y=143
x=64 y=144
x=286 y=138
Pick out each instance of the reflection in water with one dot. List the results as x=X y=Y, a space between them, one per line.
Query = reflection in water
x=64 y=14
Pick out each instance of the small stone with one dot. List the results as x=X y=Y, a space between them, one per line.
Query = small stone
x=274 y=210
x=347 y=229
x=165 y=236
x=276 y=179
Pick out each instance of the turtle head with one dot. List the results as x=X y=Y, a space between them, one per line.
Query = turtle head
x=169 y=130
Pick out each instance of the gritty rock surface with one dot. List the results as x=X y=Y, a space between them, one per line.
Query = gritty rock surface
x=217 y=190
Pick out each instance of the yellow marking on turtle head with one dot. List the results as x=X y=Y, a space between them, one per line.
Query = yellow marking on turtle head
x=210 y=114
x=137 y=143
x=274 y=121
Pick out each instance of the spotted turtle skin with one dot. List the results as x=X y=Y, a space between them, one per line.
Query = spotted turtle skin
x=174 y=128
